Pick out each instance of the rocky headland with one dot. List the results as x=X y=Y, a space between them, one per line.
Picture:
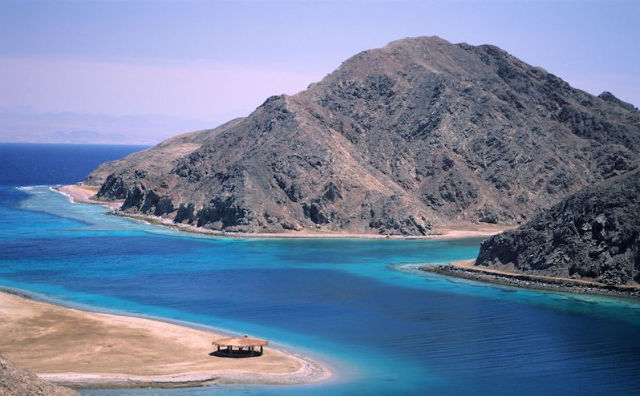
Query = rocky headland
x=587 y=243
x=399 y=140
x=592 y=235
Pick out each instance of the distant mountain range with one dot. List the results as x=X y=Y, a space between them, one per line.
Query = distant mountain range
x=398 y=140
x=68 y=127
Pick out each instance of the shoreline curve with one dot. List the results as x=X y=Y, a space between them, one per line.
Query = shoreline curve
x=85 y=349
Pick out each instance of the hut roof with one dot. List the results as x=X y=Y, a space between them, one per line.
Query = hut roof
x=240 y=342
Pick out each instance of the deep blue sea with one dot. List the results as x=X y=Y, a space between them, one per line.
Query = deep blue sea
x=356 y=305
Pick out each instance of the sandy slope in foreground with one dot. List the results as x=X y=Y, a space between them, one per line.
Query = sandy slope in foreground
x=81 y=193
x=79 y=348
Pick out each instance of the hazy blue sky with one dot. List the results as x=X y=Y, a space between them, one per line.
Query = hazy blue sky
x=207 y=61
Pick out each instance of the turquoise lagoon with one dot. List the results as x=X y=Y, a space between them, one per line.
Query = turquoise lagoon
x=358 y=306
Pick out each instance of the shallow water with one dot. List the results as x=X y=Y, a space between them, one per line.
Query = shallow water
x=356 y=305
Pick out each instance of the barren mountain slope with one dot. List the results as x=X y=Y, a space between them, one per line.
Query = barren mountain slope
x=159 y=159
x=397 y=139
x=592 y=235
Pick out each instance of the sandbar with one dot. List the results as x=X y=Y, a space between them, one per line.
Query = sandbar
x=85 y=349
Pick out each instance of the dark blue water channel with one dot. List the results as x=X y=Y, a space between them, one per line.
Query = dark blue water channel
x=355 y=305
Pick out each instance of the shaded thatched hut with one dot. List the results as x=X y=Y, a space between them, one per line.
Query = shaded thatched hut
x=240 y=346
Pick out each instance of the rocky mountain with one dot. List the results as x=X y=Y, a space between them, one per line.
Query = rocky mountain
x=592 y=235
x=16 y=381
x=417 y=134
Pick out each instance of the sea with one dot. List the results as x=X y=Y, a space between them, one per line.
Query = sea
x=360 y=307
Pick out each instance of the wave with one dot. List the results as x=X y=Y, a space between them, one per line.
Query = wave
x=35 y=189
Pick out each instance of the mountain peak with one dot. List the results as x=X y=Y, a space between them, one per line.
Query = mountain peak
x=609 y=97
x=417 y=42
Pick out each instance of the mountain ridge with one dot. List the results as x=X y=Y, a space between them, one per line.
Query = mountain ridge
x=418 y=133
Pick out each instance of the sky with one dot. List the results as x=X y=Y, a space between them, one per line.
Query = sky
x=174 y=66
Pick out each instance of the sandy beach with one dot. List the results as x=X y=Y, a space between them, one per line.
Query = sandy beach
x=470 y=230
x=81 y=193
x=87 y=349
x=466 y=269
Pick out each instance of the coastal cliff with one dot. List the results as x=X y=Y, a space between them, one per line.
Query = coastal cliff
x=593 y=235
x=398 y=140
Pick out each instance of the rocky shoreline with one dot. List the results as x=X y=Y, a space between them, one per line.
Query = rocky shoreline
x=445 y=234
x=463 y=270
x=81 y=193
x=592 y=235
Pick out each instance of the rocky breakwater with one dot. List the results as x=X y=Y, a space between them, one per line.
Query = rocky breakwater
x=593 y=235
